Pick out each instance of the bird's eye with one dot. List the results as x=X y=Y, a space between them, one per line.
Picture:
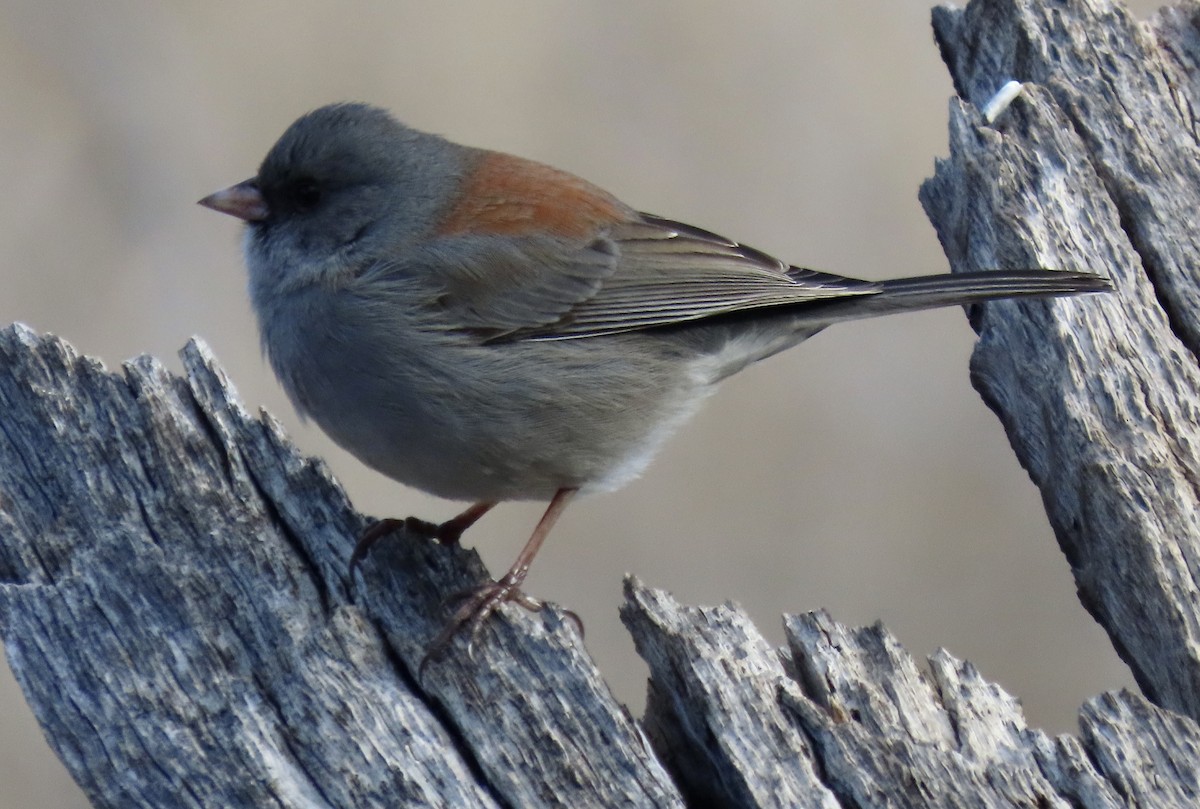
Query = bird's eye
x=306 y=194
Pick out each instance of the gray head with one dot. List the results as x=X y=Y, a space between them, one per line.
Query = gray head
x=344 y=183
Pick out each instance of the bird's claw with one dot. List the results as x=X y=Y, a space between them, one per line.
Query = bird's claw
x=472 y=608
x=414 y=526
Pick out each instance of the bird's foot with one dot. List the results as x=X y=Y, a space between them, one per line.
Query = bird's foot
x=382 y=528
x=473 y=608
x=447 y=533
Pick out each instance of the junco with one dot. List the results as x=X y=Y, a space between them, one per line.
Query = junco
x=488 y=328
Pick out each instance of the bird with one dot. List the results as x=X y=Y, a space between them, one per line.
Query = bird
x=488 y=328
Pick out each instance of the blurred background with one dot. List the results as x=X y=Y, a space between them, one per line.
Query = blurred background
x=859 y=473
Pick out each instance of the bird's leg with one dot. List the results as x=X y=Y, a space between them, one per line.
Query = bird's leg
x=448 y=533
x=477 y=604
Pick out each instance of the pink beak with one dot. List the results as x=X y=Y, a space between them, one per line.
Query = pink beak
x=243 y=200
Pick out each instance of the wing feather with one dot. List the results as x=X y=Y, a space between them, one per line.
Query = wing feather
x=668 y=273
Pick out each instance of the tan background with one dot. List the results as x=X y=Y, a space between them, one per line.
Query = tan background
x=860 y=473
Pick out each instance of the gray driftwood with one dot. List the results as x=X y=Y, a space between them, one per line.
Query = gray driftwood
x=176 y=608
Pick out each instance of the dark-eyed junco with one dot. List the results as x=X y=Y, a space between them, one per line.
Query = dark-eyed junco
x=488 y=328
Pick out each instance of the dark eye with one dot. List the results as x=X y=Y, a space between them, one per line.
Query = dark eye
x=305 y=194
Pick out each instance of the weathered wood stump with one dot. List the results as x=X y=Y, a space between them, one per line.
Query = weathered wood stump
x=176 y=607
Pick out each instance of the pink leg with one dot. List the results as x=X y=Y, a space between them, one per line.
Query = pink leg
x=482 y=601
x=448 y=533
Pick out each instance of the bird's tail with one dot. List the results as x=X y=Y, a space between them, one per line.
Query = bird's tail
x=931 y=291
x=867 y=299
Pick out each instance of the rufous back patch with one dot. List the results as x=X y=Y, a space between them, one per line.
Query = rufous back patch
x=507 y=195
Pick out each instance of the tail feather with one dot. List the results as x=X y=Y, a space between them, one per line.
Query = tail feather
x=900 y=295
x=931 y=291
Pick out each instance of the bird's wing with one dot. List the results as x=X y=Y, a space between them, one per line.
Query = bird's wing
x=535 y=253
x=640 y=274
x=499 y=287
x=668 y=273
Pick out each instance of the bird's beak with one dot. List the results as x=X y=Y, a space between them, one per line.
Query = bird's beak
x=243 y=200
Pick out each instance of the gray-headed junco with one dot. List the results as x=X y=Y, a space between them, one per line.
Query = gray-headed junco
x=488 y=328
